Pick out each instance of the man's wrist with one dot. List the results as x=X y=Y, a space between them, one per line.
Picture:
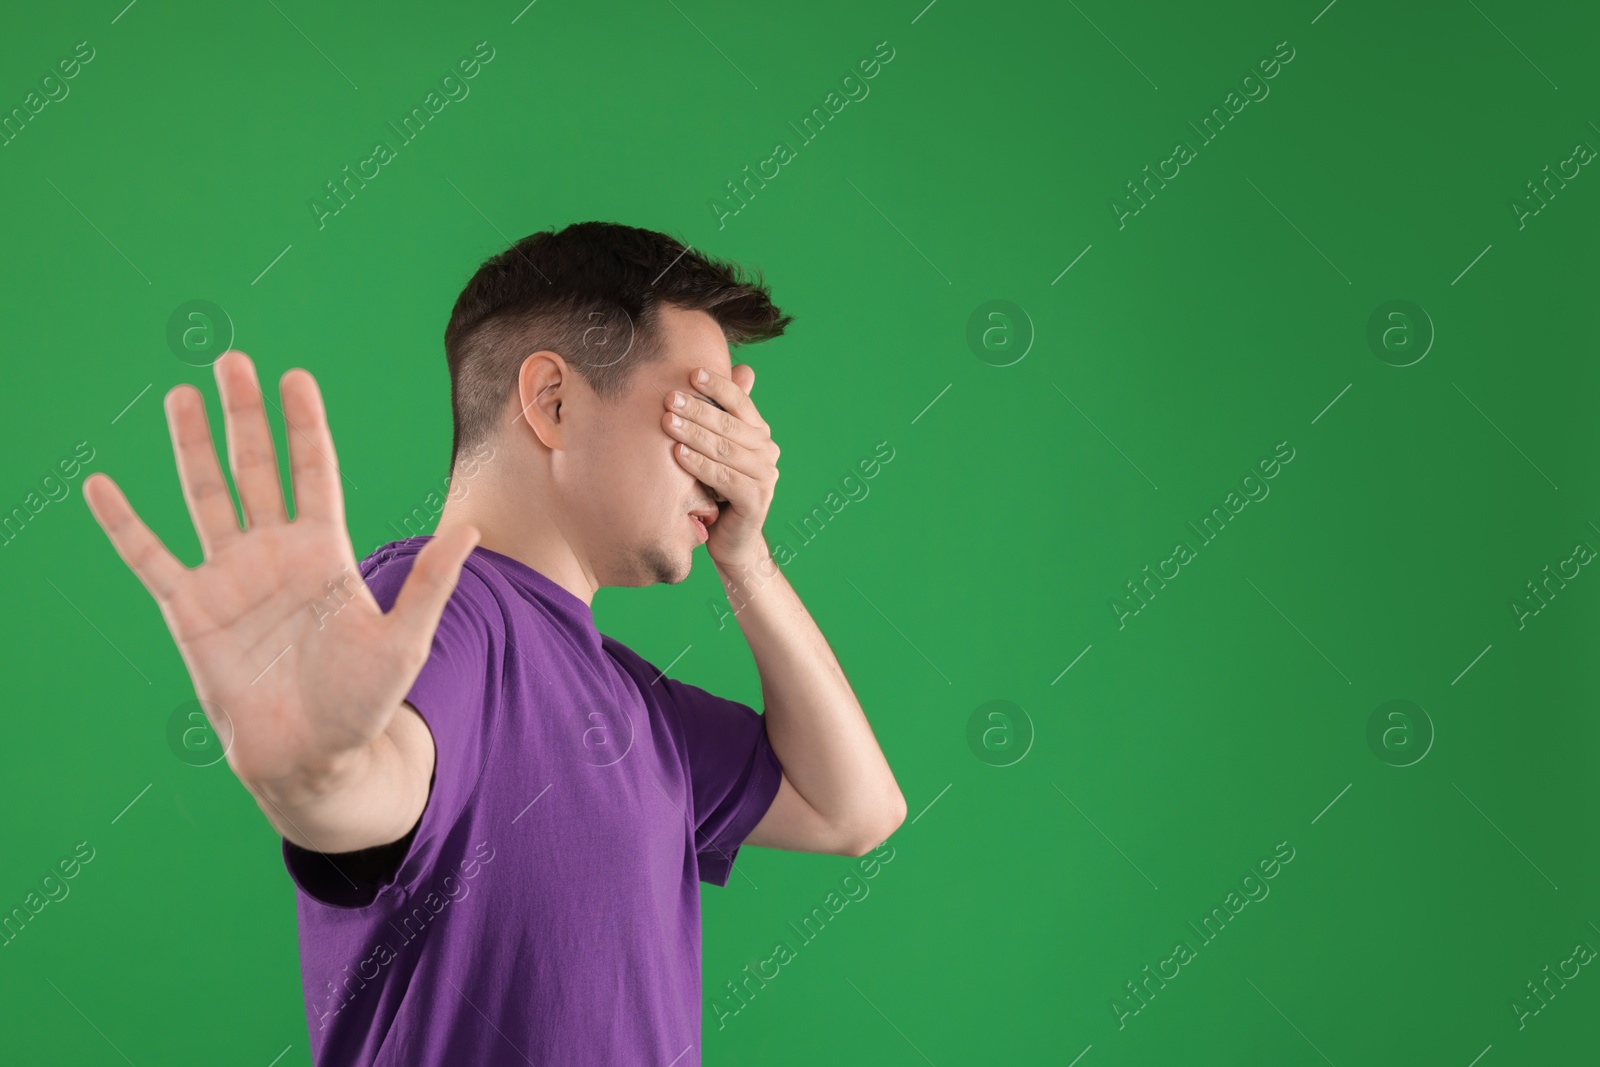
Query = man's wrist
x=743 y=577
x=758 y=555
x=318 y=780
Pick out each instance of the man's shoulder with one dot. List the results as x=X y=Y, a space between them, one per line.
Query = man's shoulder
x=391 y=555
x=625 y=655
x=405 y=549
x=386 y=568
x=657 y=689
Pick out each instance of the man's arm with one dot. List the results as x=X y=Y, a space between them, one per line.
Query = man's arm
x=838 y=794
x=309 y=703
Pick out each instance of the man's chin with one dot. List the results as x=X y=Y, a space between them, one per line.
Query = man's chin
x=688 y=568
x=662 y=570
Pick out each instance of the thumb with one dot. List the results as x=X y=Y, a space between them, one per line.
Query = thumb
x=421 y=600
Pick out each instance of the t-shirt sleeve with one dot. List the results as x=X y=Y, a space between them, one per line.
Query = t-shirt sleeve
x=733 y=772
x=455 y=694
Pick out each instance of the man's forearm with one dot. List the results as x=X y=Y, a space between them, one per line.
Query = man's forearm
x=814 y=722
x=367 y=797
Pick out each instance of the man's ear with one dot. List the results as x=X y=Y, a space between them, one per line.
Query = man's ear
x=744 y=376
x=541 y=388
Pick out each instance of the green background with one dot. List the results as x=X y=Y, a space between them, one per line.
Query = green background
x=1230 y=314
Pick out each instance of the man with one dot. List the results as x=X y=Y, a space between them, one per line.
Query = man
x=496 y=817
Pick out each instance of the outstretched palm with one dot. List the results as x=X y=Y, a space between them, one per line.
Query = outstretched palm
x=292 y=658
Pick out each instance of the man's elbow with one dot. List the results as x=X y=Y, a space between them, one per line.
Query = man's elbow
x=885 y=827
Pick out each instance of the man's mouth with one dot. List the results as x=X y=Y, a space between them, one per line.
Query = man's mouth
x=702 y=518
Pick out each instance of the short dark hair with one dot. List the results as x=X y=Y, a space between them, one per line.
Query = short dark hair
x=591 y=292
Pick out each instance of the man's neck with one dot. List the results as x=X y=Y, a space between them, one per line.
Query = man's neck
x=531 y=541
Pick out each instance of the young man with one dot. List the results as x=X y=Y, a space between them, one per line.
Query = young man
x=496 y=817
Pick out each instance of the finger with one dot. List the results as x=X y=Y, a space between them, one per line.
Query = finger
x=433 y=576
x=313 y=465
x=714 y=420
x=251 y=455
x=210 y=503
x=728 y=395
x=156 y=568
x=733 y=485
x=715 y=445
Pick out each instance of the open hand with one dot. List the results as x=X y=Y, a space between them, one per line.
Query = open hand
x=290 y=654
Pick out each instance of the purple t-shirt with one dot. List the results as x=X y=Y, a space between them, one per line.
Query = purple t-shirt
x=547 y=910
